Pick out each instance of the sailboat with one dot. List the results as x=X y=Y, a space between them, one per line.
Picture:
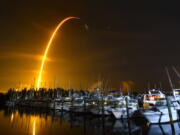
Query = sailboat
x=119 y=110
x=161 y=109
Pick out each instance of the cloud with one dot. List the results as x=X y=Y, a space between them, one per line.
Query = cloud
x=126 y=85
x=95 y=85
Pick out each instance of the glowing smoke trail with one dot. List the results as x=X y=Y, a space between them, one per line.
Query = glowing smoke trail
x=48 y=46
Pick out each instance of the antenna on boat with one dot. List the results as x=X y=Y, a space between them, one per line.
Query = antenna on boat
x=69 y=85
x=149 y=86
x=160 y=85
x=167 y=72
x=55 y=82
x=155 y=87
x=34 y=83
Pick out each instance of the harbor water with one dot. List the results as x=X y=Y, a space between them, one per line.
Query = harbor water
x=28 y=121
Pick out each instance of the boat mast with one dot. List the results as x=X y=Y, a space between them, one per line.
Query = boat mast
x=160 y=85
x=169 y=78
x=149 y=87
x=175 y=70
x=54 y=82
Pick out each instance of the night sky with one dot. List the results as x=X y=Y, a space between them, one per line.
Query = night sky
x=126 y=43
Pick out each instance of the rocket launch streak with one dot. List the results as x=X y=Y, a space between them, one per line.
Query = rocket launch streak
x=48 y=46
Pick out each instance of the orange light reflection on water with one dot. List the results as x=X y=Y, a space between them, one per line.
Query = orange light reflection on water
x=31 y=123
x=12 y=117
x=34 y=127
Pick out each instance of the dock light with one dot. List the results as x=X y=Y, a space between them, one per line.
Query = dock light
x=120 y=103
x=177 y=93
x=105 y=103
x=93 y=103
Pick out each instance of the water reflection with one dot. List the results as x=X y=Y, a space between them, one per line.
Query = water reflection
x=164 y=129
x=12 y=117
x=42 y=122
x=34 y=127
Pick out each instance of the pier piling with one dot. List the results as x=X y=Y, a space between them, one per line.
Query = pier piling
x=170 y=115
x=127 y=109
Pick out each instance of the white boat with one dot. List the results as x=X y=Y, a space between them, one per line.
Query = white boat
x=154 y=97
x=156 y=109
x=10 y=103
x=59 y=106
x=121 y=113
x=100 y=111
x=79 y=105
x=160 y=115
x=120 y=110
x=176 y=93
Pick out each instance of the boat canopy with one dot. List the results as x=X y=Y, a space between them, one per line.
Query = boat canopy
x=176 y=89
x=116 y=91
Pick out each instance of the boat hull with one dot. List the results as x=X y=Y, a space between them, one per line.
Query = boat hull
x=162 y=116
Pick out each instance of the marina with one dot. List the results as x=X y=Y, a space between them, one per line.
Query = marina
x=106 y=112
x=88 y=67
x=155 y=106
